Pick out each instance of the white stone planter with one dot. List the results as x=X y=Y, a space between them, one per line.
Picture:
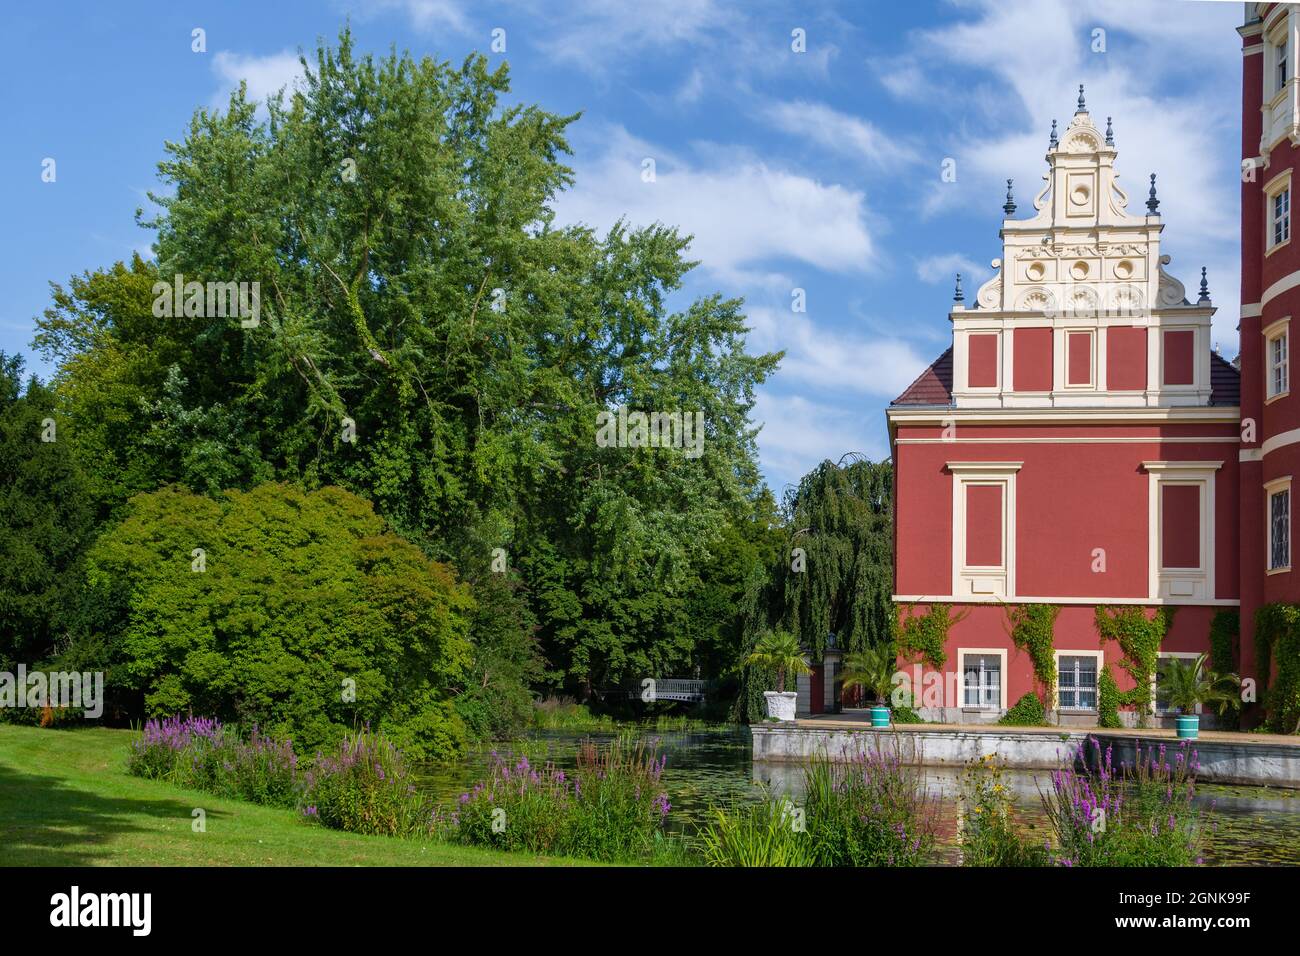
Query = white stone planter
x=780 y=704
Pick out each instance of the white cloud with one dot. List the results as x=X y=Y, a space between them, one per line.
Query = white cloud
x=692 y=89
x=264 y=75
x=742 y=211
x=1158 y=93
x=829 y=360
x=943 y=268
x=423 y=14
x=840 y=132
x=798 y=433
x=590 y=34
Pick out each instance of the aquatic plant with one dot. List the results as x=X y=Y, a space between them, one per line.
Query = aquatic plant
x=989 y=836
x=1102 y=816
x=366 y=787
x=611 y=806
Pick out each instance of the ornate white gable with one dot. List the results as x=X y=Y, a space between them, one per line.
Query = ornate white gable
x=1084 y=261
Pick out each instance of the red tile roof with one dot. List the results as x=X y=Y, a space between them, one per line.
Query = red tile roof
x=933 y=386
x=1225 y=381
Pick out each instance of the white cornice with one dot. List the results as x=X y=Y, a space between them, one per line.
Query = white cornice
x=1192 y=414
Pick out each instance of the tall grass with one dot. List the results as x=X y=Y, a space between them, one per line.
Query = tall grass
x=871 y=811
x=366 y=787
x=988 y=833
x=1103 y=816
x=564 y=713
x=611 y=807
x=761 y=835
x=202 y=754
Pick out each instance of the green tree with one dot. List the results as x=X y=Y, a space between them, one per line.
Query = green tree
x=46 y=520
x=295 y=610
x=834 y=573
x=417 y=296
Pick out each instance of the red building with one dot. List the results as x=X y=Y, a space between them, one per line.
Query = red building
x=1270 y=295
x=1079 y=443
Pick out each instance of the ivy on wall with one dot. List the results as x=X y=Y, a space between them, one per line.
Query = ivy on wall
x=1139 y=637
x=1277 y=637
x=1225 y=630
x=1032 y=628
x=925 y=635
x=1108 y=699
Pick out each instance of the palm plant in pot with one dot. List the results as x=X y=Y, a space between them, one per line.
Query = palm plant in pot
x=779 y=651
x=873 y=671
x=1187 y=683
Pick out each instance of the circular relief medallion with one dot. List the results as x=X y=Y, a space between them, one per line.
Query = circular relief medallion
x=1036 y=271
x=1124 y=269
x=1079 y=270
x=1080 y=194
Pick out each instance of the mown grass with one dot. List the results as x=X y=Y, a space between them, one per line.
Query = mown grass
x=66 y=800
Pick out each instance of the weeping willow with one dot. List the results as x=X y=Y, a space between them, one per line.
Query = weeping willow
x=835 y=573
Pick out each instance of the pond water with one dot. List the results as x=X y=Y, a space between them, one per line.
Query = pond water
x=1253 y=826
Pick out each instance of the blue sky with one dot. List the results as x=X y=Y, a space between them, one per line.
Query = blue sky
x=818 y=170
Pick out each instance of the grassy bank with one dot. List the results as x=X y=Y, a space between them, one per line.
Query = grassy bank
x=564 y=714
x=66 y=800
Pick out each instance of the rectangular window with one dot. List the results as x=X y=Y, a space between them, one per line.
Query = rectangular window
x=1280 y=217
x=1280 y=71
x=982 y=680
x=1279 y=529
x=1076 y=682
x=1279 y=372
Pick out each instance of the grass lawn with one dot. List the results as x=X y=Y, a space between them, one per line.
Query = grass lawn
x=66 y=800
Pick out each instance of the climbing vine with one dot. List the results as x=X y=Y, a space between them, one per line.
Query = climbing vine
x=1108 y=699
x=1224 y=631
x=1277 y=637
x=925 y=635
x=1032 y=628
x=1139 y=637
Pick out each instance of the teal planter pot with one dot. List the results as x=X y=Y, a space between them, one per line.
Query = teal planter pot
x=1188 y=726
x=879 y=716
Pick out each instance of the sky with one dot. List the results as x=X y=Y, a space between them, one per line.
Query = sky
x=816 y=169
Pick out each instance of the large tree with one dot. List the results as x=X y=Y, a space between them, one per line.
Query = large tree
x=46 y=520
x=835 y=572
x=416 y=295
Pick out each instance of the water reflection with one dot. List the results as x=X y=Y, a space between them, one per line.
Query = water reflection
x=1253 y=825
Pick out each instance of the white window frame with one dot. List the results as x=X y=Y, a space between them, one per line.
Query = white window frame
x=1273 y=189
x=1181 y=585
x=974 y=582
x=999 y=652
x=1100 y=657
x=1279 y=331
x=1271 y=488
x=1280 y=68
x=1155 y=676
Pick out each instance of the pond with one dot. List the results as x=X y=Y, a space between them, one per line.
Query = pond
x=1253 y=826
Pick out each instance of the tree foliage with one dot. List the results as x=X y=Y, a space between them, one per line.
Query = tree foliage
x=416 y=294
x=46 y=519
x=293 y=604
x=834 y=573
